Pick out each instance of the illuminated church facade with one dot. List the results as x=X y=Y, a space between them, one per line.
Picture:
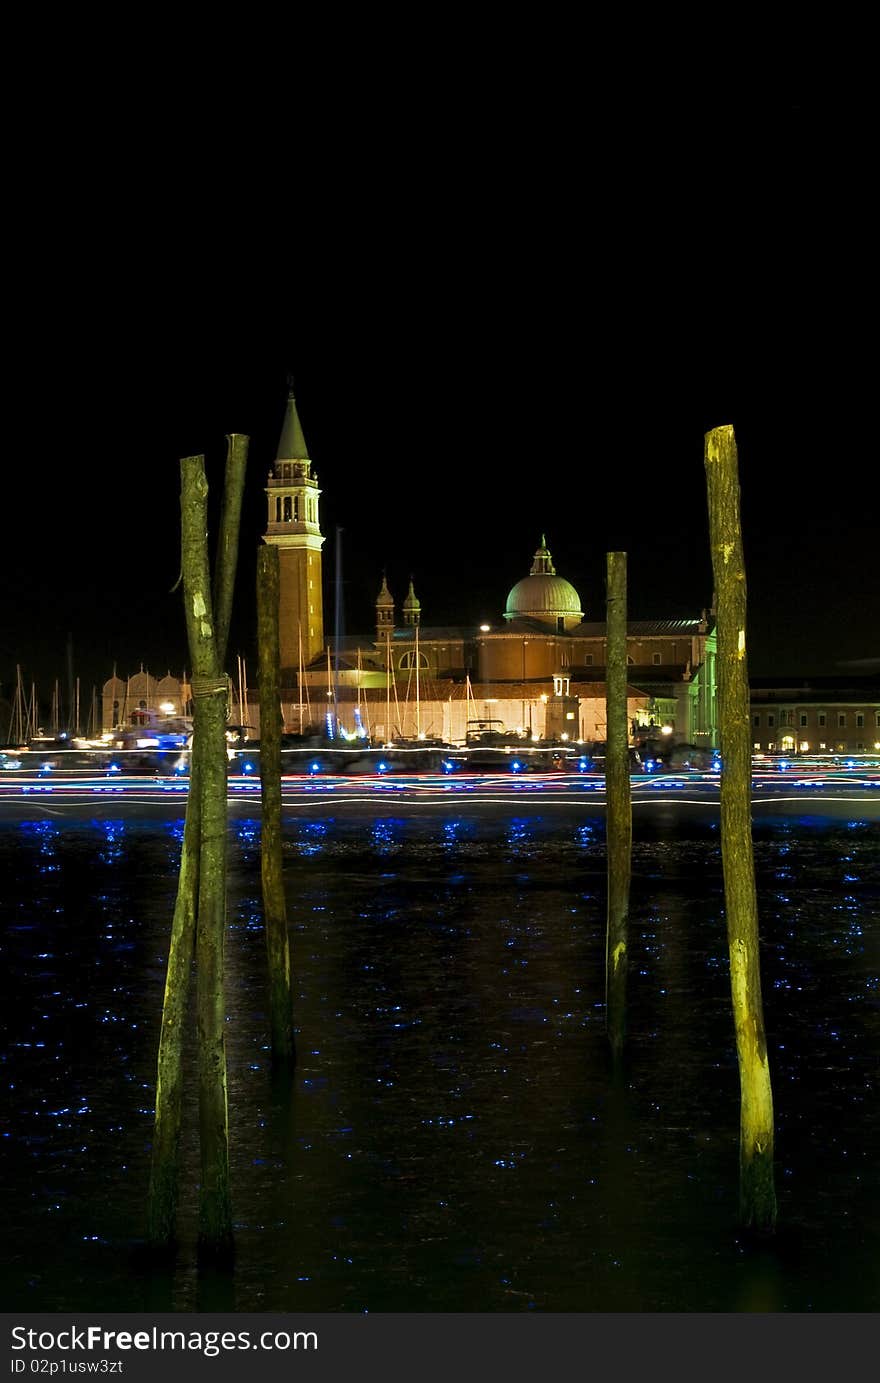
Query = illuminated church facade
x=540 y=671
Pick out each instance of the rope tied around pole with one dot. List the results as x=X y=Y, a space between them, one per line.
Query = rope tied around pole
x=208 y=686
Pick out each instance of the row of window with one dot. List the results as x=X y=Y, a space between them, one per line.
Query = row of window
x=787 y=744
x=289 y=509
x=787 y=718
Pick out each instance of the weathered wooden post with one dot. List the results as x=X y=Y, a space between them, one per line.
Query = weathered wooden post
x=165 y=1166
x=227 y=538
x=618 y=809
x=210 y=689
x=164 y=1176
x=757 y=1196
x=274 y=908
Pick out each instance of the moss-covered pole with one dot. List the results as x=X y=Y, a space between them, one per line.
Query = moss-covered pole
x=274 y=908
x=756 y=1183
x=165 y=1167
x=227 y=539
x=209 y=686
x=618 y=810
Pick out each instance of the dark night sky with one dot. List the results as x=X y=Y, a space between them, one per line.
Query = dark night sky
x=493 y=333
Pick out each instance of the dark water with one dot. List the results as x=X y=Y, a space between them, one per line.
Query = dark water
x=452 y=1142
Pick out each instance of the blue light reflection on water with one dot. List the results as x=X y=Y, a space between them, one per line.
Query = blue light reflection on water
x=451 y=1091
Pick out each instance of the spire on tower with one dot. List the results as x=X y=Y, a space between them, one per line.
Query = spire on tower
x=292 y=443
x=412 y=608
x=384 y=597
x=384 y=608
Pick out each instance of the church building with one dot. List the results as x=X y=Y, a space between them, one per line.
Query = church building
x=538 y=673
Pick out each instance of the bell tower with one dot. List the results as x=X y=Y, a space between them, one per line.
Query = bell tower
x=384 y=610
x=293 y=527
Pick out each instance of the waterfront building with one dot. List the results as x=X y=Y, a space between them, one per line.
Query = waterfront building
x=816 y=715
x=540 y=670
x=141 y=701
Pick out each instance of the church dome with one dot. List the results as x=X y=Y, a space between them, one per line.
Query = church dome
x=544 y=595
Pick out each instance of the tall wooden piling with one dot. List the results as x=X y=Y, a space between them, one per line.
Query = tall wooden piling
x=618 y=810
x=210 y=690
x=757 y=1190
x=227 y=538
x=165 y=1163
x=274 y=907
x=200 y=912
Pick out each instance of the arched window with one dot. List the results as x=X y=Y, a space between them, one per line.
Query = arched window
x=287 y=508
x=277 y=508
x=408 y=660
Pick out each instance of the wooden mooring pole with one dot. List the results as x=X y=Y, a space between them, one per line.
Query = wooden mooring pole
x=274 y=906
x=757 y=1198
x=618 y=809
x=200 y=910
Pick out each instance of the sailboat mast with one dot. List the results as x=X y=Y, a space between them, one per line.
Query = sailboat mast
x=300 y=676
x=387 y=684
x=16 y=721
x=418 y=708
x=330 y=717
x=337 y=625
x=70 y=692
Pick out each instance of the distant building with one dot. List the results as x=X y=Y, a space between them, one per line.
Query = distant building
x=816 y=715
x=540 y=670
x=142 y=701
